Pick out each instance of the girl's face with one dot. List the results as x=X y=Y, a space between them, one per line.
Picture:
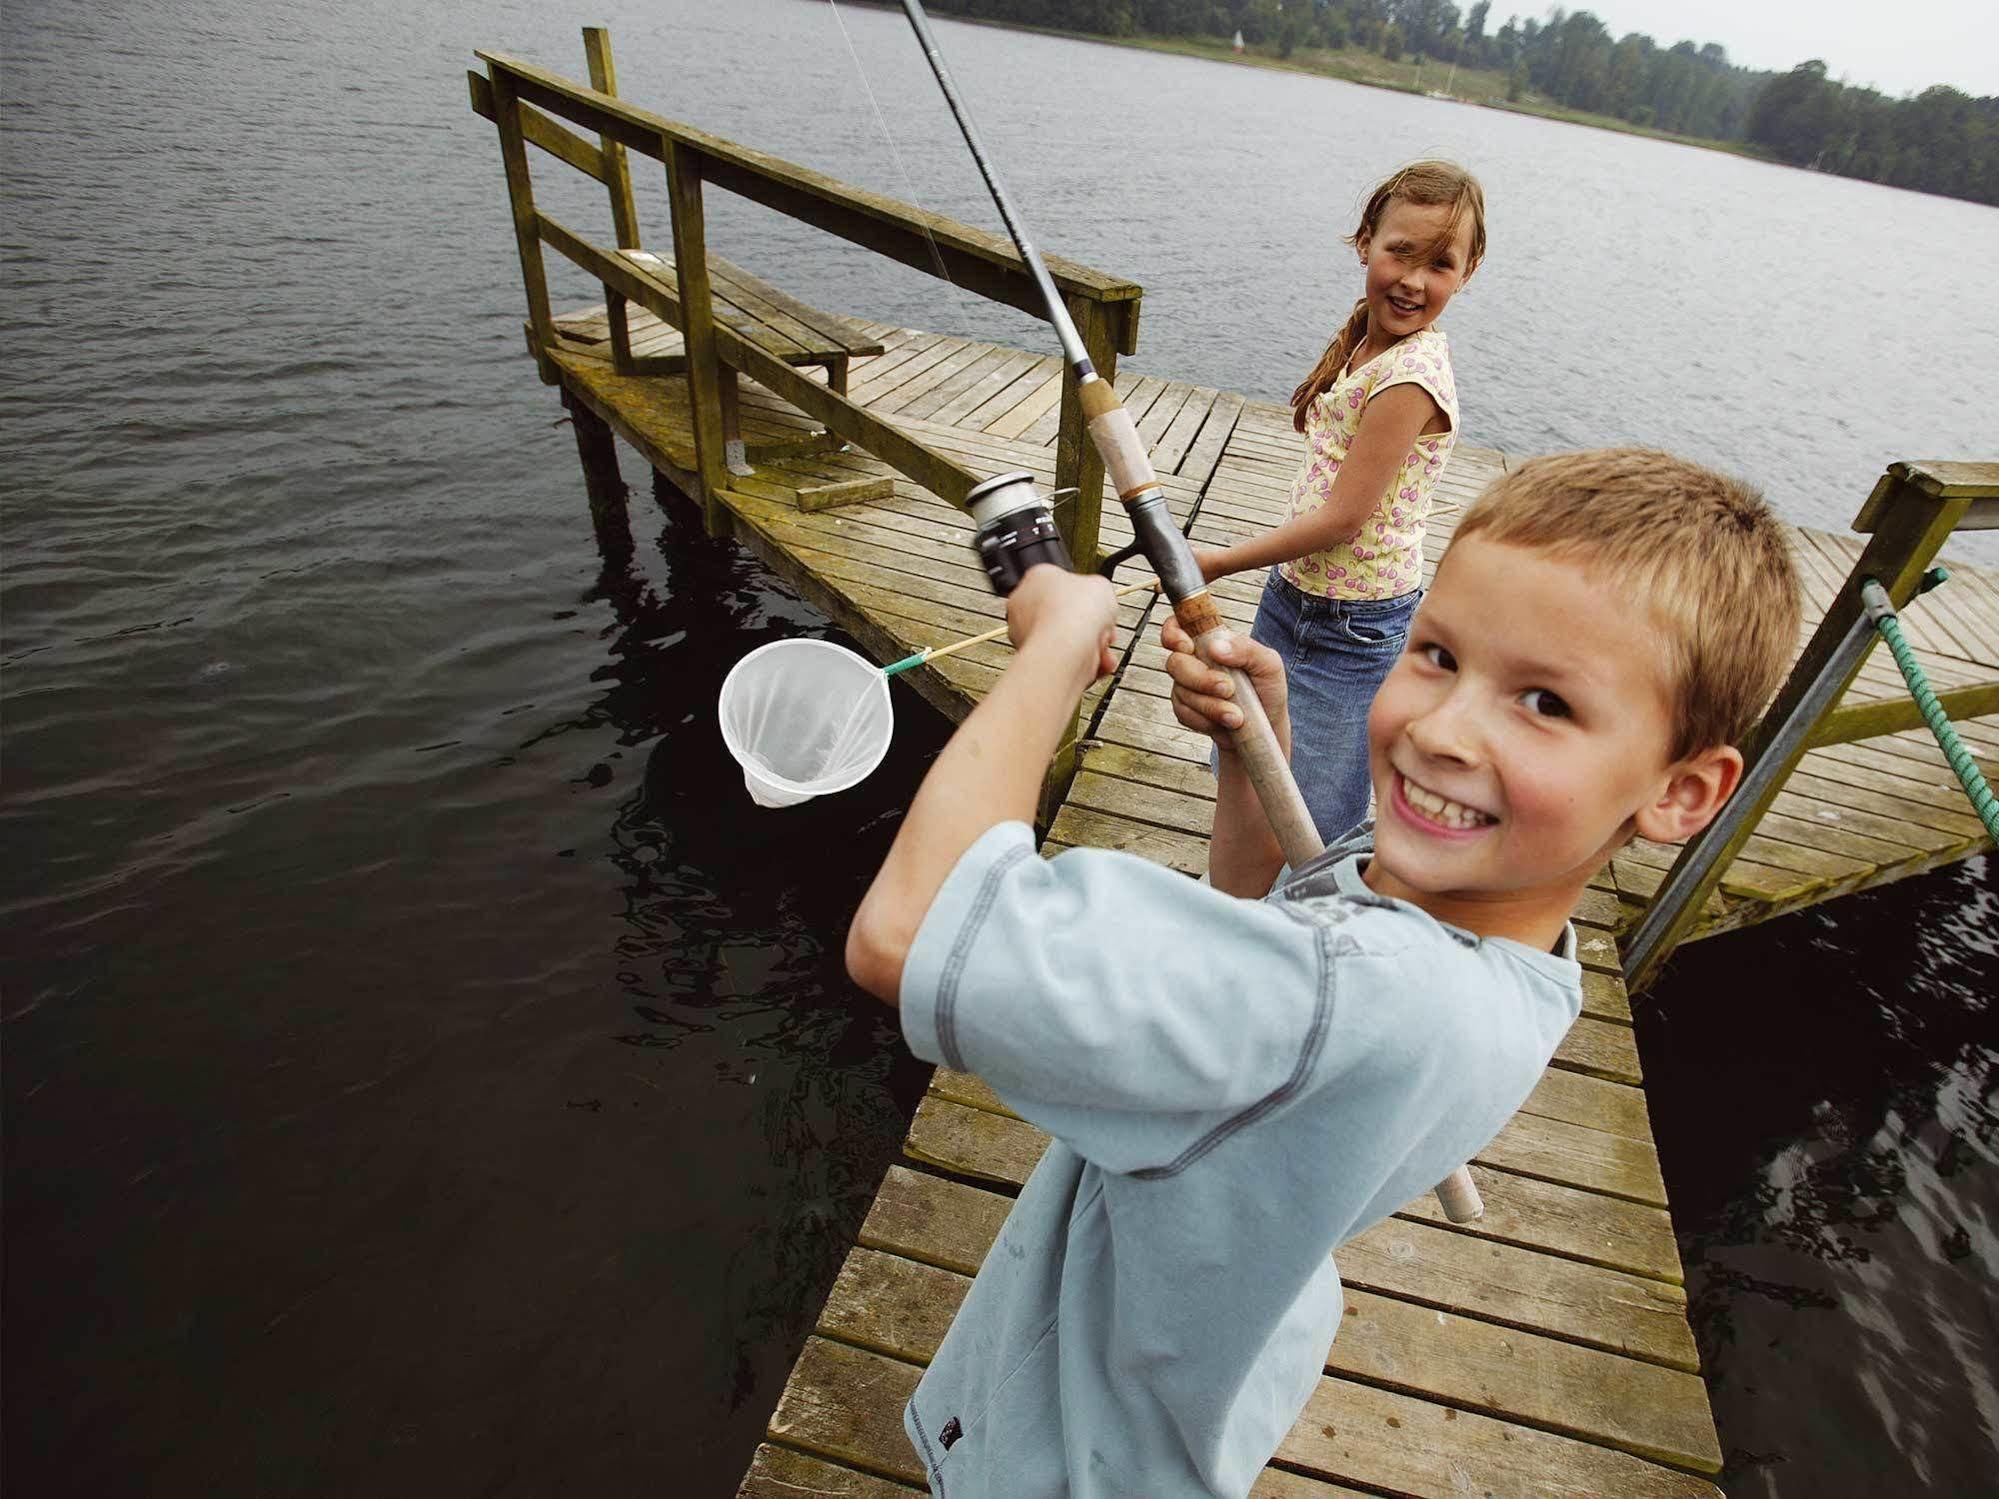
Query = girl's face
x=1406 y=292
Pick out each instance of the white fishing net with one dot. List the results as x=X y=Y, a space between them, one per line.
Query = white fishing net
x=804 y=717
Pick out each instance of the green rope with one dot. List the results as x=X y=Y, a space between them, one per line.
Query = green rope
x=1983 y=802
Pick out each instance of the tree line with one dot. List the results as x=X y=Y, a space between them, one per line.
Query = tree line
x=1941 y=140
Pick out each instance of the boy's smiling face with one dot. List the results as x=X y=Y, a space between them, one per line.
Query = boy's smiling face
x=1521 y=738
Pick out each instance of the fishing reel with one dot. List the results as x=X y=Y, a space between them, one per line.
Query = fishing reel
x=1016 y=530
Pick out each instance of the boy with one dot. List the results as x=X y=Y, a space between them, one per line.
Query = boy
x=1238 y=1085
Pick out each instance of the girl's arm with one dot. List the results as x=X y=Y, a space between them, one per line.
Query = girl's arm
x=1389 y=427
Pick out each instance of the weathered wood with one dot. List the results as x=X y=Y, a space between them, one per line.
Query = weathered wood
x=844 y=492
x=539 y=130
x=697 y=327
x=1543 y=1215
x=1356 y=1433
x=845 y=1403
x=1556 y=1150
x=616 y=176
x=602 y=483
x=520 y=198
x=1078 y=465
x=1872 y=720
x=902 y=1308
x=780 y=1473
x=617 y=171
x=984 y=263
x=935 y=471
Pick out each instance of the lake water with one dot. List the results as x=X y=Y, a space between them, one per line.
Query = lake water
x=424 y=1072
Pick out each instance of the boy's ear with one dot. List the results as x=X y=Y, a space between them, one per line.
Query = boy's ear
x=1693 y=792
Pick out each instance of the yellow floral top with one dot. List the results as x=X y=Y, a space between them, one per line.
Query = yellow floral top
x=1385 y=560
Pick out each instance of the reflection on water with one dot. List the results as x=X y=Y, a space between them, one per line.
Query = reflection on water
x=1826 y=1096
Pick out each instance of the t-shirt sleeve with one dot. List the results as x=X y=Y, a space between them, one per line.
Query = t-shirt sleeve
x=1423 y=361
x=1123 y=1008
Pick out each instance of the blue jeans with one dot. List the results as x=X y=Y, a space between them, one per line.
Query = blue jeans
x=1336 y=653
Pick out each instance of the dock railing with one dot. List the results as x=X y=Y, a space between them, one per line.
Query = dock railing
x=527 y=101
x=1911 y=513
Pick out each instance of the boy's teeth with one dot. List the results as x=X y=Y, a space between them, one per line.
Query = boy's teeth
x=1443 y=809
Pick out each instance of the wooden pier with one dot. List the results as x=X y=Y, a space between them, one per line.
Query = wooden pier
x=1543 y=1350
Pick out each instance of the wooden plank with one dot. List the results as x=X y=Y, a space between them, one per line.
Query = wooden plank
x=1894 y=716
x=507 y=112
x=902 y=1308
x=845 y=1403
x=1552 y=1149
x=780 y=1473
x=1046 y=397
x=830 y=329
x=844 y=492
x=1044 y=371
x=1521 y=1211
x=935 y=471
x=1078 y=464
x=539 y=130
x=980 y=261
x=994 y=377
x=617 y=175
x=1355 y=1433
x=697 y=328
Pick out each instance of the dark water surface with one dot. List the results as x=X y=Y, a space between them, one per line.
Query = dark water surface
x=423 y=1070
x=1825 y=1094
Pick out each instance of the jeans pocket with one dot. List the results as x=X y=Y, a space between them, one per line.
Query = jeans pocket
x=1366 y=632
x=1378 y=622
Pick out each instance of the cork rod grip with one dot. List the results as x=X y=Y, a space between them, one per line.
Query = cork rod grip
x=1263 y=761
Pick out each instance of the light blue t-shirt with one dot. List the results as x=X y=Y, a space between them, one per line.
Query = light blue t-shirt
x=1235 y=1087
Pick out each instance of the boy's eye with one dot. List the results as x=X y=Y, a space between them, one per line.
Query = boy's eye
x=1547 y=704
x=1438 y=657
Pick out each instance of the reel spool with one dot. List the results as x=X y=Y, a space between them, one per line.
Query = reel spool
x=1016 y=530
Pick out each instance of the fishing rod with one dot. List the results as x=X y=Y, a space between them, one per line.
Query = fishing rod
x=1016 y=530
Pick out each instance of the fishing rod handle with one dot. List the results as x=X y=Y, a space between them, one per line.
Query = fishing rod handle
x=1458 y=1197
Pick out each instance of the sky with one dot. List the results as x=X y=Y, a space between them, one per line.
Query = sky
x=1899 y=48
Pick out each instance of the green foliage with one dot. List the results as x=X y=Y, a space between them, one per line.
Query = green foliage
x=1940 y=141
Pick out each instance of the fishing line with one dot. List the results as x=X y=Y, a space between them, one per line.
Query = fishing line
x=888 y=137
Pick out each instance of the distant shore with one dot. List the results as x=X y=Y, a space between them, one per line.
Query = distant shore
x=1429 y=79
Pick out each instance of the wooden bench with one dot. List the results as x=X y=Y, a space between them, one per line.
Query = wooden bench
x=774 y=321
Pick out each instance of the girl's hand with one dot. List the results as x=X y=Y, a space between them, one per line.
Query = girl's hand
x=1067 y=615
x=1213 y=564
x=1201 y=693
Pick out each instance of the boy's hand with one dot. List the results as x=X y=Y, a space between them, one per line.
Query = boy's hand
x=1068 y=615
x=1201 y=693
x=1213 y=564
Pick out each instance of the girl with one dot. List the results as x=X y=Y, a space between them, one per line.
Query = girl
x=1380 y=416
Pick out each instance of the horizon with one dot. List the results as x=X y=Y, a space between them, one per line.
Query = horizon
x=1923 y=47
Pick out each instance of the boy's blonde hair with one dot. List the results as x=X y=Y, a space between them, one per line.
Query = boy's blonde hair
x=1427 y=184
x=1700 y=550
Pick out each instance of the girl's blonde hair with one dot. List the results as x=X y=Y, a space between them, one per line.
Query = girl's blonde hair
x=1427 y=184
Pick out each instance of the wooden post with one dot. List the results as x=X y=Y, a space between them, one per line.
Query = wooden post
x=697 y=313
x=1910 y=521
x=601 y=479
x=527 y=231
x=618 y=179
x=1077 y=463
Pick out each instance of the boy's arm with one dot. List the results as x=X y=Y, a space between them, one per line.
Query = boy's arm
x=990 y=772
x=1243 y=854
